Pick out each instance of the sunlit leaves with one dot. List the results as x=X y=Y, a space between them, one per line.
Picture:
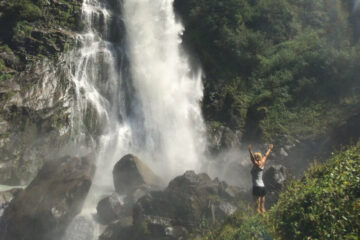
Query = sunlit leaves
x=325 y=204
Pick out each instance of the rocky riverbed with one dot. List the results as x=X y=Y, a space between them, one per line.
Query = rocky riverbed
x=139 y=208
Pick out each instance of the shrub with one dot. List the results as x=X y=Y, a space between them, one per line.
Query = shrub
x=242 y=226
x=325 y=204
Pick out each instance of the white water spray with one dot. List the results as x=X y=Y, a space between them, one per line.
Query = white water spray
x=141 y=88
x=169 y=94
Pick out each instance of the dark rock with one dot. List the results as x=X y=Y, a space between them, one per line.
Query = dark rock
x=46 y=207
x=176 y=232
x=155 y=226
x=120 y=229
x=109 y=208
x=6 y=197
x=81 y=228
x=10 y=59
x=130 y=174
x=224 y=209
x=229 y=192
x=223 y=138
x=186 y=201
x=275 y=178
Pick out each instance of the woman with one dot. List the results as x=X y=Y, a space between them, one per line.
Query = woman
x=257 y=173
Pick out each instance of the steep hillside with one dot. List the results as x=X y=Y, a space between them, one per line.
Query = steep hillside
x=277 y=70
x=325 y=204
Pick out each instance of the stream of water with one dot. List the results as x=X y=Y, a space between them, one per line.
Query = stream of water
x=135 y=93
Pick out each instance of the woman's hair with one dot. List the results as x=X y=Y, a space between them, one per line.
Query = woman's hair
x=257 y=156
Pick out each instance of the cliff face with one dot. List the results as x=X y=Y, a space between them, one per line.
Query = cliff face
x=35 y=90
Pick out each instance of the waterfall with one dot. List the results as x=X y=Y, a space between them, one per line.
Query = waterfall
x=135 y=90
x=168 y=94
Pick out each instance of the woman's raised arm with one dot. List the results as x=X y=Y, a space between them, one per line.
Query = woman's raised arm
x=252 y=157
x=266 y=154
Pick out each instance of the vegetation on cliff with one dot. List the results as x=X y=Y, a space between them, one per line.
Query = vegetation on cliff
x=278 y=70
x=34 y=84
x=325 y=204
x=33 y=29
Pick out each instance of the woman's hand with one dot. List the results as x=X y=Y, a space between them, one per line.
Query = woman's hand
x=271 y=146
x=250 y=148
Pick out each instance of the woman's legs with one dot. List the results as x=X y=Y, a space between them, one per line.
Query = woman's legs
x=262 y=204
x=257 y=202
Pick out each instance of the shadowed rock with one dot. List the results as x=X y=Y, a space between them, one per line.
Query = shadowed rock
x=187 y=201
x=6 y=197
x=130 y=174
x=177 y=211
x=45 y=208
x=120 y=229
x=275 y=178
x=109 y=208
x=81 y=228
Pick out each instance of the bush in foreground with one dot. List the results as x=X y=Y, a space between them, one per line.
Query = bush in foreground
x=325 y=204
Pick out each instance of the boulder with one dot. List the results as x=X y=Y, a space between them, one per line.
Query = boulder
x=45 y=208
x=156 y=228
x=182 y=206
x=223 y=209
x=275 y=177
x=130 y=174
x=109 y=208
x=120 y=229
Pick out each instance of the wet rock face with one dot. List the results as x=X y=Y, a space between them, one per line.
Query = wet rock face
x=130 y=174
x=35 y=120
x=35 y=88
x=45 y=208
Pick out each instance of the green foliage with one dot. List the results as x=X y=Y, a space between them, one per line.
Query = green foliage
x=273 y=60
x=4 y=48
x=325 y=204
x=241 y=226
x=2 y=65
x=22 y=29
x=4 y=76
x=25 y=9
x=23 y=22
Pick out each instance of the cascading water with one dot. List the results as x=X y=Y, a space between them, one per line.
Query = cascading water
x=168 y=96
x=130 y=72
